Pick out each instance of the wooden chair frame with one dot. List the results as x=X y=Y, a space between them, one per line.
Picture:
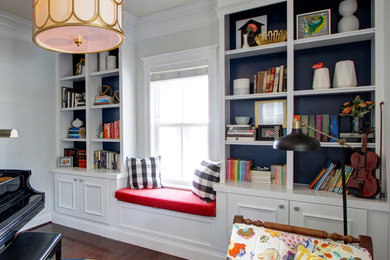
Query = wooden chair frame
x=363 y=241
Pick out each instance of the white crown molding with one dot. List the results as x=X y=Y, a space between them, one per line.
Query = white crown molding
x=14 y=27
x=129 y=26
x=187 y=17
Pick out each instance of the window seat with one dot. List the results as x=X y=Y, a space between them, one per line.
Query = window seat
x=168 y=198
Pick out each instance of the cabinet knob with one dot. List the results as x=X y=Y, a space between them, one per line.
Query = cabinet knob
x=81 y=180
x=296 y=208
x=281 y=206
x=74 y=179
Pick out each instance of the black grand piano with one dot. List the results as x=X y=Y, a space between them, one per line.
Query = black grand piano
x=19 y=203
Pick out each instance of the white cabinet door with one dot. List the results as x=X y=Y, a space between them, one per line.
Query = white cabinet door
x=94 y=197
x=329 y=218
x=257 y=208
x=66 y=194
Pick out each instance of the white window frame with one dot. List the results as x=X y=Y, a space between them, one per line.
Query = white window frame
x=179 y=60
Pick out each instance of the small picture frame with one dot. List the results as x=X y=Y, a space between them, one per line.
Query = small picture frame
x=271 y=112
x=65 y=161
x=269 y=132
x=241 y=29
x=313 y=24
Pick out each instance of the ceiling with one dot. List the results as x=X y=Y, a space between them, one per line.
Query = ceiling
x=23 y=8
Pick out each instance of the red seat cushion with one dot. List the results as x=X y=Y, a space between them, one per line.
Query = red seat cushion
x=168 y=198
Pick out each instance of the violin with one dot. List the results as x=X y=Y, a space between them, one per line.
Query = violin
x=362 y=182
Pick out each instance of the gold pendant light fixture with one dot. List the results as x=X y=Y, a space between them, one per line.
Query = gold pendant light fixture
x=78 y=26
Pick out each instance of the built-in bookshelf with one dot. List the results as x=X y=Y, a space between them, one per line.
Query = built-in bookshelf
x=76 y=99
x=298 y=55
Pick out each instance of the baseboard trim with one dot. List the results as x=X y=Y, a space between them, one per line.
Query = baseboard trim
x=37 y=222
x=154 y=243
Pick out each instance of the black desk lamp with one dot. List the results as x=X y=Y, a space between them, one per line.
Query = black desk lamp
x=298 y=141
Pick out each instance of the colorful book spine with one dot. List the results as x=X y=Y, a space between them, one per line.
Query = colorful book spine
x=334 y=127
x=312 y=123
x=281 y=74
x=305 y=121
x=276 y=80
x=325 y=127
x=318 y=127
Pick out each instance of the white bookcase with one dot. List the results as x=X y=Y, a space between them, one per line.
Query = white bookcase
x=293 y=203
x=94 y=116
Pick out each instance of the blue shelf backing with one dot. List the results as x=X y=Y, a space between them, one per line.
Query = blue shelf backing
x=262 y=156
x=114 y=147
x=358 y=52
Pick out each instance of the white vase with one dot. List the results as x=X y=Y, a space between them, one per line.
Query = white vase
x=111 y=62
x=245 y=43
x=349 y=22
x=321 y=78
x=103 y=60
x=344 y=74
x=241 y=86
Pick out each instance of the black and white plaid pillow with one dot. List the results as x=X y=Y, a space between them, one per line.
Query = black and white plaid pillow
x=205 y=176
x=144 y=173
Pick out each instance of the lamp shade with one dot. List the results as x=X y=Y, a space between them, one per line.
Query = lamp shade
x=78 y=26
x=296 y=141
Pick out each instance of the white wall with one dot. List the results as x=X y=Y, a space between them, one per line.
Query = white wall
x=198 y=30
x=27 y=103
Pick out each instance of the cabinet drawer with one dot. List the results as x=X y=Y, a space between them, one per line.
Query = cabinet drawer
x=257 y=208
x=329 y=218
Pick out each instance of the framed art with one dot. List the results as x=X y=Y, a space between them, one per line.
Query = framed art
x=271 y=112
x=242 y=26
x=313 y=24
x=269 y=132
x=65 y=161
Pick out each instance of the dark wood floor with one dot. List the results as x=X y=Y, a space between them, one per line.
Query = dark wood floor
x=79 y=244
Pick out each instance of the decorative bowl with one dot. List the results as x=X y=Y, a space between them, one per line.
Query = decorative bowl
x=271 y=37
x=242 y=120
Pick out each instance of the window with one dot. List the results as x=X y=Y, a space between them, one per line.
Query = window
x=182 y=120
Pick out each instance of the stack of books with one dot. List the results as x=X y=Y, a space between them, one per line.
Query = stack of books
x=329 y=179
x=326 y=123
x=260 y=176
x=271 y=81
x=111 y=130
x=238 y=170
x=79 y=156
x=106 y=160
x=279 y=174
x=103 y=100
x=72 y=98
x=240 y=133
x=76 y=132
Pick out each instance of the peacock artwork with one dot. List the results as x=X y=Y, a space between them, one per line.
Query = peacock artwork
x=313 y=24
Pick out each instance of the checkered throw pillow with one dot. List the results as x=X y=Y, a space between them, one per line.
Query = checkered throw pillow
x=144 y=173
x=205 y=176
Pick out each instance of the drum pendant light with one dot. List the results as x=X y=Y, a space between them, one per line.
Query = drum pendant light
x=78 y=26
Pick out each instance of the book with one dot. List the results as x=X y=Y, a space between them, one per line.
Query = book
x=334 y=127
x=260 y=82
x=305 y=121
x=265 y=82
x=325 y=127
x=276 y=80
x=285 y=80
x=312 y=123
x=269 y=73
x=322 y=179
x=317 y=178
x=281 y=76
x=271 y=80
x=318 y=127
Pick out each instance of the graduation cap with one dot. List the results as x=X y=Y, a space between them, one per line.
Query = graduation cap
x=251 y=36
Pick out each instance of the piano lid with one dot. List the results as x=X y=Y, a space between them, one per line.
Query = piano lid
x=19 y=202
